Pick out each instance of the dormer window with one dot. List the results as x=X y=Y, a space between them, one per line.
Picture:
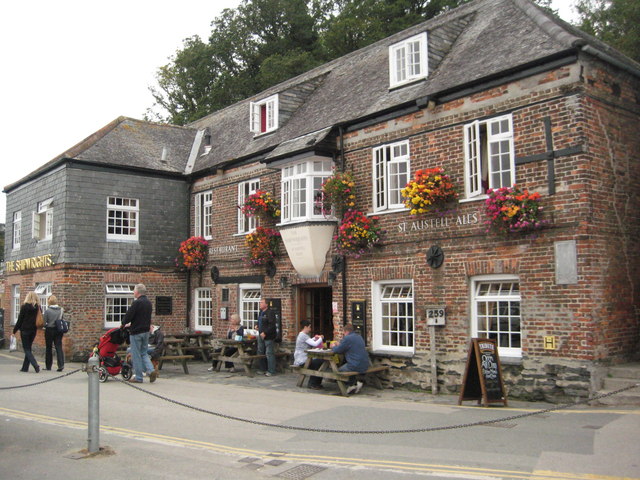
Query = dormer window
x=408 y=60
x=264 y=115
x=207 y=142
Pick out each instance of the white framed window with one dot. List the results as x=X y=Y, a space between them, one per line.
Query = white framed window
x=203 y=211
x=15 y=302
x=17 y=230
x=408 y=60
x=42 y=221
x=488 y=155
x=246 y=223
x=250 y=295
x=495 y=312
x=264 y=115
x=203 y=309
x=43 y=290
x=393 y=316
x=391 y=165
x=122 y=219
x=117 y=300
x=301 y=192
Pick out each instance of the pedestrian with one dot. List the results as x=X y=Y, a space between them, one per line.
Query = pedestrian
x=303 y=343
x=267 y=331
x=355 y=354
x=138 y=320
x=52 y=337
x=156 y=346
x=26 y=324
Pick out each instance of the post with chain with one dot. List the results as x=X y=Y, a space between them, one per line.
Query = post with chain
x=94 y=405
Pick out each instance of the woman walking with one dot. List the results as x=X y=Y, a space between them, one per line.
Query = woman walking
x=51 y=334
x=26 y=324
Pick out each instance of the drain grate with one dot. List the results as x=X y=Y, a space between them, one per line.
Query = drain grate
x=593 y=427
x=301 y=472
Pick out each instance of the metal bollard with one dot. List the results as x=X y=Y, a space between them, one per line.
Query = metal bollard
x=93 y=438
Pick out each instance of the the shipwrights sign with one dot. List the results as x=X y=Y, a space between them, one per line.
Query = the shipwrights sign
x=31 y=263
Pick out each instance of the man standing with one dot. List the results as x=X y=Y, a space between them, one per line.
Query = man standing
x=356 y=356
x=138 y=319
x=266 y=339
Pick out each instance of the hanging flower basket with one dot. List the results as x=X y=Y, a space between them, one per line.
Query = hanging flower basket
x=261 y=204
x=263 y=245
x=511 y=210
x=194 y=252
x=338 y=192
x=430 y=190
x=357 y=234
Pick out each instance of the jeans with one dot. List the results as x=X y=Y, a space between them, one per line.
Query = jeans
x=139 y=356
x=53 y=337
x=348 y=368
x=27 y=338
x=267 y=347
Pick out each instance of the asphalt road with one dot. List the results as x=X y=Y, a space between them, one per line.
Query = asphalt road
x=227 y=426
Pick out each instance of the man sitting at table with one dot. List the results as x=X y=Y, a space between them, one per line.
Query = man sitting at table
x=355 y=354
x=304 y=342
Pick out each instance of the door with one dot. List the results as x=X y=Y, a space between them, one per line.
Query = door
x=315 y=306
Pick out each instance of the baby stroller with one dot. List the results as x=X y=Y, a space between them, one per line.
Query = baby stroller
x=105 y=349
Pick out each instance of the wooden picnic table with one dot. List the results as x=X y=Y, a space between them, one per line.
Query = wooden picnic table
x=174 y=352
x=245 y=354
x=196 y=342
x=329 y=370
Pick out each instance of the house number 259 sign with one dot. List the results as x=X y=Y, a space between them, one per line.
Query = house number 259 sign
x=435 y=315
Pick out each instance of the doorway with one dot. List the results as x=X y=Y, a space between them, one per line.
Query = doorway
x=315 y=305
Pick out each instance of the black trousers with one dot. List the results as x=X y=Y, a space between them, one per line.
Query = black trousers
x=53 y=337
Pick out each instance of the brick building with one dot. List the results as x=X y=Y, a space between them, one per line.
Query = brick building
x=495 y=92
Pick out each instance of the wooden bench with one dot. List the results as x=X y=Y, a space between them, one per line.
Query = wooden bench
x=204 y=352
x=176 y=358
x=245 y=360
x=370 y=376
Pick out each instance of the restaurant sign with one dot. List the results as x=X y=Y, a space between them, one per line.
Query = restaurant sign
x=31 y=263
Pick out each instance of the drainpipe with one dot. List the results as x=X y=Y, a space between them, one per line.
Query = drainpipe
x=344 y=259
x=188 y=309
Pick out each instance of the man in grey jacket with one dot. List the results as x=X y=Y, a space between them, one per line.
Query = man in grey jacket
x=355 y=354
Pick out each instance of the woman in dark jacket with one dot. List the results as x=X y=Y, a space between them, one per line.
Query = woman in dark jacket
x=51 y=334
x=26 y=324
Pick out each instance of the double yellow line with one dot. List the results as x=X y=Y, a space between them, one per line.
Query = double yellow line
x=426 y=468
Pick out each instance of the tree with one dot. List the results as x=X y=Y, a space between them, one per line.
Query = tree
x=615 y=22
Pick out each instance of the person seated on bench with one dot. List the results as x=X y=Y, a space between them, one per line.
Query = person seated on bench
x=235 y=331
x=356 y=356
x=303 y=343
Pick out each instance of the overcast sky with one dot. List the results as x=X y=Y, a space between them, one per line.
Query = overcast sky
x=69 y=67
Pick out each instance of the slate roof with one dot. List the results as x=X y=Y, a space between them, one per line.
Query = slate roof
x=479 y=41
x=128 y=143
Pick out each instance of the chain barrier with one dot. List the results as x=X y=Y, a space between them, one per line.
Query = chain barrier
x=350 y=432
x=375 y=432
x=43 y=381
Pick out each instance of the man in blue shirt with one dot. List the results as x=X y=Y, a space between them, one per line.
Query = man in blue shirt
x=355 y=354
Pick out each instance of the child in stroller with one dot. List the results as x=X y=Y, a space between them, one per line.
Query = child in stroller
x=105 y=349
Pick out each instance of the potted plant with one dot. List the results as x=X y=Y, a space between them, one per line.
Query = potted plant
x=194 y=252
x=338 y=192
x=430 y=190
x=357 y=234
x=263 y=245
x=511 y=210
x=261 y=204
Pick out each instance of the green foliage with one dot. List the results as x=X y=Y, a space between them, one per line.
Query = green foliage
x=616 y=22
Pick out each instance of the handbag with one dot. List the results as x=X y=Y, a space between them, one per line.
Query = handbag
x=39 y=319
x=13 y=344
x=62 y=326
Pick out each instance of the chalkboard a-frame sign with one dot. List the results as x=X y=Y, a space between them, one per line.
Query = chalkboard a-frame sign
x=483 y=374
